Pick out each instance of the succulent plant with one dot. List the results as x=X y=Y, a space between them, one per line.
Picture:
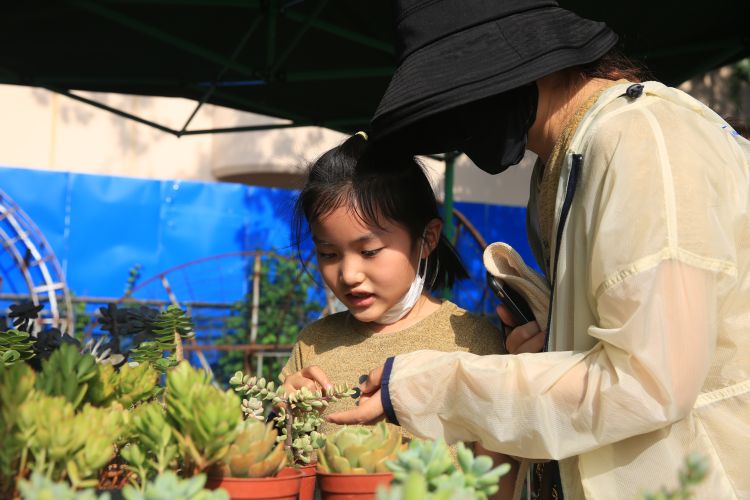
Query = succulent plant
x=426 y=470
x=128 y=386
x=359 y=450
x=16 y=384
x=49 y=341
x=255 y=452
x=23 y=313
x=103 y=354
x=15 y=345
x=64 y=444
x=693 y=473
x=205 y=419
x=67 y=373
x=416 y=487
x=166 y=333
x=168 y=486
x=39 y=487
x=297 y=416
x=153 y=447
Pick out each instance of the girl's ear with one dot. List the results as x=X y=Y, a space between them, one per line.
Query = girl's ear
x=431 y=237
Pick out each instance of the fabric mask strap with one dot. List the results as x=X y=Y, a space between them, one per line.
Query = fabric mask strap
x=409 y=300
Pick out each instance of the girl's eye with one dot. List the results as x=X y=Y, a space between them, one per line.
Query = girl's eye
x=326 y=255
x=371 y=253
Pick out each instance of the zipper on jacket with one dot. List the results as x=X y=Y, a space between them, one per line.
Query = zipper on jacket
x=569 y=192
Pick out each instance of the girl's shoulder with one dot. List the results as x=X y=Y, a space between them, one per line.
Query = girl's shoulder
x=468 y=323
x=464 y=331
x=324 y=328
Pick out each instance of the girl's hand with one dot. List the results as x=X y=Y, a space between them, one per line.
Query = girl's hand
x=311 y=377
x=523 y=338
x=370 y=408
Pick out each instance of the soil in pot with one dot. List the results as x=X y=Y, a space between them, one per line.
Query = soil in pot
x=352 y=486
x=284 y=486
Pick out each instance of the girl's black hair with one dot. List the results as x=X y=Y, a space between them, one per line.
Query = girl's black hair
x=376 y=186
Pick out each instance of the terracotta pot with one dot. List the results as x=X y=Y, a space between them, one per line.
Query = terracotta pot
x=284 y=486
x=352 y=486
x=307 y=486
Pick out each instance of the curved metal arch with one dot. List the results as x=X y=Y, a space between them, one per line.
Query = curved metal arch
x=19 y=233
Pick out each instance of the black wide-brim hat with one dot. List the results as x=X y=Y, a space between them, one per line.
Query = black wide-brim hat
x=455 y=52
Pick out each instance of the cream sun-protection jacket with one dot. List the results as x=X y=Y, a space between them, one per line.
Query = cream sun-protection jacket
x=650 y=319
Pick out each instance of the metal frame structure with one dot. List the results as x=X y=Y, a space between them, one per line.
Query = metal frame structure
x=35 y=260
x=275 y=70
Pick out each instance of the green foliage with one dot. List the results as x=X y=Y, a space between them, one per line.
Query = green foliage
x=82 y=319
x=15 y=346
x=65 y=444
x=169 y=329
x=255 y=452
x=301 y=411
x=285 y=307
x=67 y=373
x=133 y=275
x=16 y=384
x=416 y=487
x=426 y=470
x=153 y=446
x=204 y=418
x=128 y=386
x=168 y=487
x=40 y=487
x=359 y=450
x=693 y=473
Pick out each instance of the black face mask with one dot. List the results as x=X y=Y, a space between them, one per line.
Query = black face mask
x=496 y=129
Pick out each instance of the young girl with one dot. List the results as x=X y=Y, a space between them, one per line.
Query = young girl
x=377 y=233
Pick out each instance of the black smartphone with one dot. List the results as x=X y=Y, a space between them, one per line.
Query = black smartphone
x=519 y=308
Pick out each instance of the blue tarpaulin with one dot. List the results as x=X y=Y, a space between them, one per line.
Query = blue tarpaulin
x=101 y=226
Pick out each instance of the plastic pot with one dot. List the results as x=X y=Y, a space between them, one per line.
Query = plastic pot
x=352 y=486
x=307 y=485
x=284 y=486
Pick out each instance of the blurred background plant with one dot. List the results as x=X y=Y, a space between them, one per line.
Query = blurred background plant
x=286 y=303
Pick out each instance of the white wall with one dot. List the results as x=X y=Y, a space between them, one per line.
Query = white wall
x=41 y=129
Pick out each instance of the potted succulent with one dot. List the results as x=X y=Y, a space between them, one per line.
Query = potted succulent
x=254 y=467
x=426 y=471
x=296 y=417
x=352 y=463
x=166 y=486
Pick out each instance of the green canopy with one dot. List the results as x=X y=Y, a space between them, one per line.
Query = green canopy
x=322 y=62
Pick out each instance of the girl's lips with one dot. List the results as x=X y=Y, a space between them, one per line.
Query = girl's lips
x=360 y=300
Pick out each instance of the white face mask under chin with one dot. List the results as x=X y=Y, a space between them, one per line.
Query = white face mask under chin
x=407 y=302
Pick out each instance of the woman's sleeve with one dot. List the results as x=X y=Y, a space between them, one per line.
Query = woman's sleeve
x=658 y=260
x=644 y=373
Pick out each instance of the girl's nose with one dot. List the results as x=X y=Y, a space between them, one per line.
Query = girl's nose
x=350 y=272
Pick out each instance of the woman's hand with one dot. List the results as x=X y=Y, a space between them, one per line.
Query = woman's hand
x=523 y=338
x=311 y=377
x=370 y=408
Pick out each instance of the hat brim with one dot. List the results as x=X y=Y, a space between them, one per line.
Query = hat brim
x=486 y=60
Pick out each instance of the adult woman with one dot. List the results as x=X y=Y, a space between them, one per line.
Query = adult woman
x=639 y=216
